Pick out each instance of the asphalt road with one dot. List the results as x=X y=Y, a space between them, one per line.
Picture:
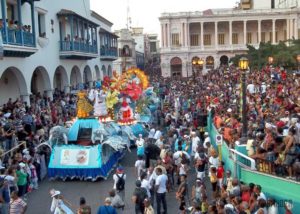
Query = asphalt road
x=39 y=201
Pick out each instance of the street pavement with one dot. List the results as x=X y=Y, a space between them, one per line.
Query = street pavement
x=39 y=201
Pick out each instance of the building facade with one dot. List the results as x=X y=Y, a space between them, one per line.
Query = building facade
x=212 y=37
x=52 y=44
x=126 y=49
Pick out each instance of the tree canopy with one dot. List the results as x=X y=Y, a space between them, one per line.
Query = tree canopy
x=284 y=54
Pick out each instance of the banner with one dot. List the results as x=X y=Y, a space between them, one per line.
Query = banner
x=74 y=157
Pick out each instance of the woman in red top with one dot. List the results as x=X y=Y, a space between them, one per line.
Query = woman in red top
x=220 y=173
x=246 y=193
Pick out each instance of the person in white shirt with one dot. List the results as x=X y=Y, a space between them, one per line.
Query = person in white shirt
x=251 y=88
x=260 y=194
x=151 y=135
x=195 y=142
x=119 y=173
x=161 y=189
x=213 y=159
x=139 y=166
x=146 y=183
x=157 y=135
x=207 y=139
x=159 y=142
x=272 y=207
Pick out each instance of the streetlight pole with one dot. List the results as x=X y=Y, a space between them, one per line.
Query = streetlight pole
x=243 y=64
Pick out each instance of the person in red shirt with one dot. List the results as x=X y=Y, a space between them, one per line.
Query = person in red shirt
x=220 y=173
x=246 y=193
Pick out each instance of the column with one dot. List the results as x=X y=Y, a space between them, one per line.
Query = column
x=216 y=35
x=49 y=94
x=287 y=29
x=67 y=89
x=162 y=36
x=20 y=21
x=245 y=32
x=230 y=33
x=187 y=35
x=90 y=84
x=169 y=35
x=273 y=31
x=96 y=37
x=166 y=36
x=183 y=34
x=202 y=35
x=3 y=11
x=25 y=98
x=259 y=31
x=32 y=22
x=296 y=28
x=72 y=33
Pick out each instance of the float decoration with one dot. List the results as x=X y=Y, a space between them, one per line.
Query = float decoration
x=83 y=106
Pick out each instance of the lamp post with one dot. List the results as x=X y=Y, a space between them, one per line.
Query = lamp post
x=243 y=65
x=270 y=60
x=196 y=62
x=298 y=62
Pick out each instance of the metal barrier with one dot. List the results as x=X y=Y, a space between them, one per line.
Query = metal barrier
x=14 y=148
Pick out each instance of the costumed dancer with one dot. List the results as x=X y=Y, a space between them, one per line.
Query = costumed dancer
x=98 y=97
x=140 y=145
x=83 y=106
x=58 y=206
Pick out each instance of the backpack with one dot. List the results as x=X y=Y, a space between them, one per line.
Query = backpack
x=120 y=185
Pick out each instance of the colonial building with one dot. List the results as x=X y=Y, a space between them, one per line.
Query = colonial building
x=126 y=49
x=52 y=44
x=204 y=40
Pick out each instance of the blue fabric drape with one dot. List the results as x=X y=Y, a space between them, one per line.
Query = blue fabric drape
x=82 y=123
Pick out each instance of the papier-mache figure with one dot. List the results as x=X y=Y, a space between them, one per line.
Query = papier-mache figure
x=98 y=96
x=126 y=113
x=83 y=106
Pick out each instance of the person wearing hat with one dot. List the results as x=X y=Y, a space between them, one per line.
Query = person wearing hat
x=107 y=208
x=197 y=191
x=58 y=203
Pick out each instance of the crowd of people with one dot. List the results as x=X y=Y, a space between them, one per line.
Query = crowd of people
x=23 y=128
x=177 y=156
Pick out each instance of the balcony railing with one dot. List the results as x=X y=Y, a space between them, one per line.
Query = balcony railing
x=78 y=47
x=14 y=37
x=110 y=52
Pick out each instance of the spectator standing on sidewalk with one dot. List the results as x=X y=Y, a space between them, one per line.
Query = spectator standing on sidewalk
x=161 y=189
x=119 y=182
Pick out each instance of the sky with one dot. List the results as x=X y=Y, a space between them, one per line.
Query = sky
x=145 y=13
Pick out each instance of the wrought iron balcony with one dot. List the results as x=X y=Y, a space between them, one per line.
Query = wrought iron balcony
x=78 y=50
x=18 y=43
x=108 y=53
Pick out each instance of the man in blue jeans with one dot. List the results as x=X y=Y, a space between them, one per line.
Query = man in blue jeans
x=161 y=189
x=4 y=196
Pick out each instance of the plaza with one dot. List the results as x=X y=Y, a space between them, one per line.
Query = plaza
x=202 y=116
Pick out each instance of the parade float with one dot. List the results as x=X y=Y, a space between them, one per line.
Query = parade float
x=109 y=118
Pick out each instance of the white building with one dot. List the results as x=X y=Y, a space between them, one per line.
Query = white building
x=52 y=44
x=212 y=37
x=127 y=54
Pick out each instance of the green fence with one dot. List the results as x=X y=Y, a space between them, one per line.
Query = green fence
x=280 y=189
